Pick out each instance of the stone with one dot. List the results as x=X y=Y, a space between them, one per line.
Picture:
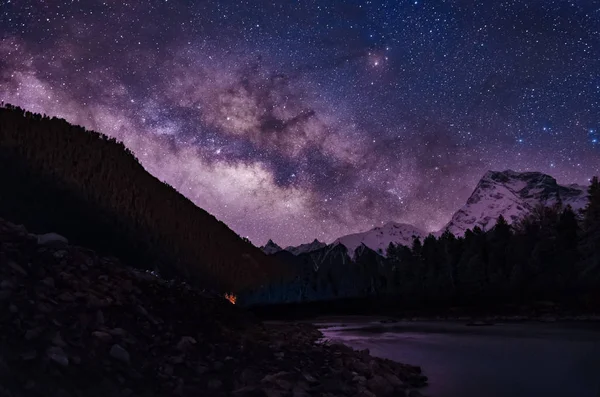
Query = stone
x=29 y=355
x=58 y=355
x=215 y=384
x=49 y=282
x=300 y=392
x=60 y=254
x=248 y=377
x=217 y=365
x=186 y=343
x=33 y=333
x=366 y=393
x=380 y=386
x=394 y=380
x=102 y=336
x=249 y=391
x=309 y=378
x=361 y=380
x=118 y=353
x=5 y=294
x=17 y=268
x=52 y=240
x=360 y=367
x=6 y=284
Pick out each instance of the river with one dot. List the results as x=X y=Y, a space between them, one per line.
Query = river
x=501 y=360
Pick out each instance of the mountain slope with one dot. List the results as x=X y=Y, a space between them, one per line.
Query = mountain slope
x=512 y=195
x=304 y=248
x=379 y=238
x=61 y=177
x=270 y=248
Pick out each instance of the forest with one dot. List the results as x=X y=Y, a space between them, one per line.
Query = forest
x=57 y=177
x=554 y=253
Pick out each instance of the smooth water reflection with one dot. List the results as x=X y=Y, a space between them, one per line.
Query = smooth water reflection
x=536 y=359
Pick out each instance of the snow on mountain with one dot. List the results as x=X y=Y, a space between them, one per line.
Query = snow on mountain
x=270 y=248
x=303 y=248
x=379 y=238
x=512 y=195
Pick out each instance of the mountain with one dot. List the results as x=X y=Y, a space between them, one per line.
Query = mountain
x=512 y=195
x=379 y=238
x=86 y=185
x=75 y=323
x=308 y=247
x=270 y=248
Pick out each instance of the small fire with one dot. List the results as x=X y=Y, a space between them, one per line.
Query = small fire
x=231 y=298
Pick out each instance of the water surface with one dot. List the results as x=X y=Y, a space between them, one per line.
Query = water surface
x=516 y=360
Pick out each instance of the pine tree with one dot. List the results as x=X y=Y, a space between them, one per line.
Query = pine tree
x=592 y=209
x=590 y=243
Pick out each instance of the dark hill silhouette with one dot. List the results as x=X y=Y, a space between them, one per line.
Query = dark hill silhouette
x=63 y=178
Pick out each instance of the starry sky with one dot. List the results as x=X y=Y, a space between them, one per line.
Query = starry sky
x=296 y=120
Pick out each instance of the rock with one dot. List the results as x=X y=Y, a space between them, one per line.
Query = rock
x=215 y=384
x=394 y=381
x=6 y=284
x=52 y=240
x=380 y=386
x=5 y=294
x=118 y=353
x=58 y=355
x=300 y=392
x=309 y=378
x=58 y=340
x=201 y=369
x=33 y=333
x=366 y=393
x=49 y=282
x=99 y=318
x=217 y=365
x=102 y=336
x=60 y=254
x=415 y=393
x=249 y=391
x=186 y=343
x=360 y=367
x=361 y=380
x=17 y=268
x=29 y=355
x=248 y=377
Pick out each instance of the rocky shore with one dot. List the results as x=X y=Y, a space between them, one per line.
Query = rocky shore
x=74 y=323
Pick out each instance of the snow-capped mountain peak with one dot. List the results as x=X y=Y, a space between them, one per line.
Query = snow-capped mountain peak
x=379 y=238
x=308 y=247
x=512 y=195
x=270 y=248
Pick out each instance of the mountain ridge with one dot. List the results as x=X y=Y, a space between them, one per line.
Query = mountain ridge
x=508 y=193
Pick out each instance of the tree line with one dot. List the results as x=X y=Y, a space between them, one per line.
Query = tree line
x=60 y=177
x=553 y=253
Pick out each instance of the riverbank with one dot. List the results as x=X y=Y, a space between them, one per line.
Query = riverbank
x=75 y=323
x=575 y=308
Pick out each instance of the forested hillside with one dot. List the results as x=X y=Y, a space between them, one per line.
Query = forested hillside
x=59 y=177
x=553 y=253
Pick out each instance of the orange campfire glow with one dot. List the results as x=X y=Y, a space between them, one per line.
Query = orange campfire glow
x=231 y=298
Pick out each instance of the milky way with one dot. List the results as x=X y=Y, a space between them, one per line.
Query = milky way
x=295 y=120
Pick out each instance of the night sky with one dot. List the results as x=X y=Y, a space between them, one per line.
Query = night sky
x=300 y=119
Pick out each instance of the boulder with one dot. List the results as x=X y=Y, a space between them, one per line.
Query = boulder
x=52 y=240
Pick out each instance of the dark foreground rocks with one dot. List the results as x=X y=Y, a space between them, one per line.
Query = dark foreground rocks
x=77 y=324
